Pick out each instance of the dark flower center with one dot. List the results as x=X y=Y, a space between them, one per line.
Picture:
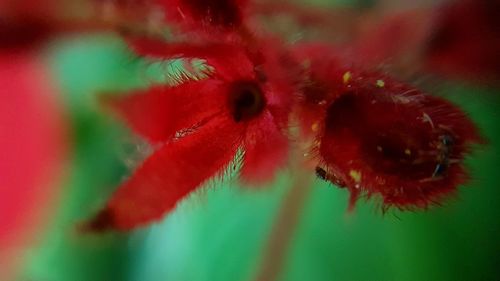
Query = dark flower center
x=246 y=100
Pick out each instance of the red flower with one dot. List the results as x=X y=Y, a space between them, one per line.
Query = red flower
x=372 y=134
x=378 y=136
x=224 y=14
x=197 y=129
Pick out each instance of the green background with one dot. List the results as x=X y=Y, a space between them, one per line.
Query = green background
x=220 y=232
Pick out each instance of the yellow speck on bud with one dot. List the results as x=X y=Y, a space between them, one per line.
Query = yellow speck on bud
x=347 y=77
x=355 y=175
x=315 y=127
x=407 y=151
x=380 y=83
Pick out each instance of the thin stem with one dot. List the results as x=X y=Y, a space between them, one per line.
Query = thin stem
x=284 y=229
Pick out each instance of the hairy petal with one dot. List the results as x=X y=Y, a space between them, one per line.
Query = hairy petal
x=155 y=48
x=160 y=112
x=223 y=14
x=171 y=173
x=266 y=150
x=230 y=61
x=280 y=71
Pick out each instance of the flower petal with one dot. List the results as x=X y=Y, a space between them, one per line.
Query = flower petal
x=266 y=150
x=33 y=138
x=396 y=38
x=230 y=61
x=169 y=175
x=225 y=14
x=466 y=40
x=160 y=112
x=155 y=48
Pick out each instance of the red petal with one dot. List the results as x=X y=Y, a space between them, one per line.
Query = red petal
x=160 y=112
x=171 y=173
x=160 y=49
x=392 y=140
x=225 y=14
x=466 y=40
x=230 y=61
x=266 y=150
x=307 y=15
x=33 y=142
x=396 y=39
x=26 y=22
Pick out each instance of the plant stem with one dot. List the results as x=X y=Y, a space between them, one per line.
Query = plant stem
x=283 y=229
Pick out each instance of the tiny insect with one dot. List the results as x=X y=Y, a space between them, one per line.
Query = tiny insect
x=445 y=148
x=324 y=175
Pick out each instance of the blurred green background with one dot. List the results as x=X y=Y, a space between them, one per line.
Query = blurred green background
x=220 y=232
